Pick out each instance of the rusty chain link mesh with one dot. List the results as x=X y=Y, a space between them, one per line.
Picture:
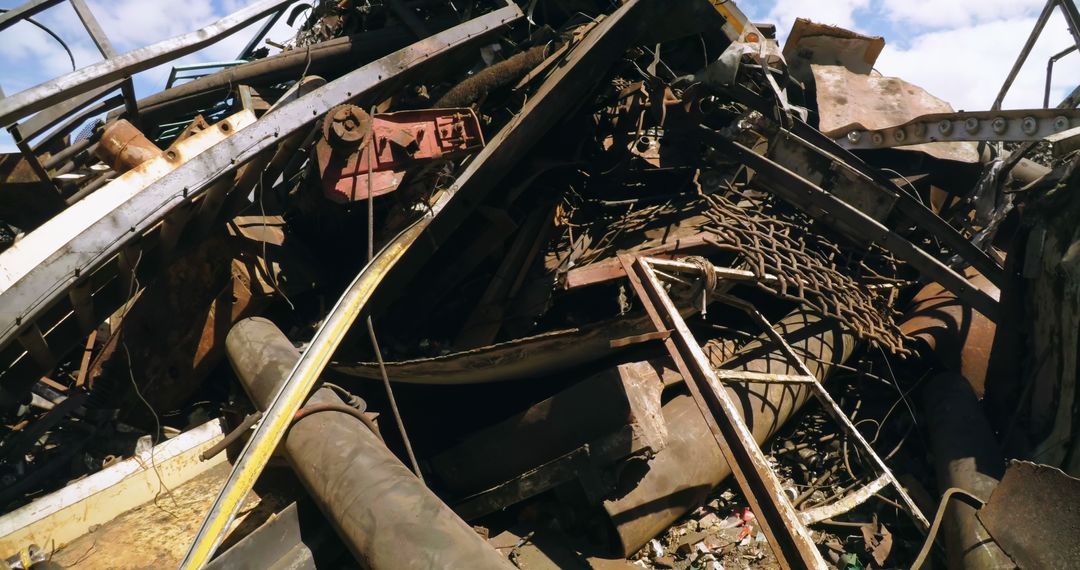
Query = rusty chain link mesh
x=805 y=269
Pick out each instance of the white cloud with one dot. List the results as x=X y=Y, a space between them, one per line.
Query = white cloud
x=966 y=66
x=136 y=23
x=959 y=13
x=834 y=12
x=30 y=56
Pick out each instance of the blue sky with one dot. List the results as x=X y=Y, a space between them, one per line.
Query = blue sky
x=959 y=50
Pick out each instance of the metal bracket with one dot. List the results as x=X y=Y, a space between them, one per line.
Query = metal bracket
x=1011 y=126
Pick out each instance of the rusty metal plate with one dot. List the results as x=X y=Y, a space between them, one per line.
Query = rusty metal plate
x=849 y=101
x=813 y=43
x=1034 y=515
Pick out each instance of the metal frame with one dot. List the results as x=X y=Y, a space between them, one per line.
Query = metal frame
x=789 y=537
x=1023 y=125
x=784 y=526
x=14 y=15
x=80 y=260
x=1050 y=72
x=19 y=105
x=175 y=76
x=1072 y=18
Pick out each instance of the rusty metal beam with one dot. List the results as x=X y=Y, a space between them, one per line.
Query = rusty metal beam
x=822 y=205
x=40 y=286
x=789 y=537
x=683 y=474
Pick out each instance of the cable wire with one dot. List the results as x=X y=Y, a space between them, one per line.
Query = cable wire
x=370 y=325
x=54 y=36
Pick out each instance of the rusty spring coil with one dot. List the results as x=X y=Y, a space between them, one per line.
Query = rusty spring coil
x=805 y=272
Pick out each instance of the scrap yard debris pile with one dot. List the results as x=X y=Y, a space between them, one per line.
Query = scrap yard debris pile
x=570 y=283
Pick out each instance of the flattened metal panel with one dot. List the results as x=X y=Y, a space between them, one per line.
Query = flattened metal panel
x=810 y=42
x=849 y=101
x=1034 y=515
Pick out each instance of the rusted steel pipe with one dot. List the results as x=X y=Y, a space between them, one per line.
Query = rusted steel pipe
x=960 y=337
x=123 y=147
x=966 y=455
x=683 y=474
x=383 y=513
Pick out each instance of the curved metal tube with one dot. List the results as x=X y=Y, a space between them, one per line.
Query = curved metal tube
x=383 y=513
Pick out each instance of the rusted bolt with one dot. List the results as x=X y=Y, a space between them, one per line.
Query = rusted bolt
x=945 y=127
x=877 y=139
x=971 y=125
x=1029 y=125
x=900 y=135
x=1000 y=125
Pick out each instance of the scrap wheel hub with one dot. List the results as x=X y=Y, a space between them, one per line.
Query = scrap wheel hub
x=347 y=126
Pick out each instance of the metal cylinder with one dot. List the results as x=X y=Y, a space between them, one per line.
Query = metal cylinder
x=123 y=147
x=683 y=474
x=381 y=510
x=960 y=337
x=966 y=455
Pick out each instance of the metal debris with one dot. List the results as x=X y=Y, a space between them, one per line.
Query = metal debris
x=604 y=254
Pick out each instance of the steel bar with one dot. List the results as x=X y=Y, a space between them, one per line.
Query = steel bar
x=847 y=503
x=253 y=43
x=1050 y=72
x=906 y=205
x=68 y=125
x=1040 y=23
x=24 y=11
x=1072 y=18
x=52 y=116
x=86 y=16
x=830 y=405
x=42 y=285
x=19 y=105
x=73 y=149
x=31 y=157
x=789 y=538
x=383 y=513
x=555 y=97
x=317 y=59
x=820 y=204
x=1020 y=125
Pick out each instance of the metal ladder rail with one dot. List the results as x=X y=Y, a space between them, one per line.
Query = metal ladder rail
x=830 y=405
x=786 y=533
x=765 y=495
x=805 y=376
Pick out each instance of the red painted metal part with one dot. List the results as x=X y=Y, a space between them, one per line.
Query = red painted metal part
x=401 y=140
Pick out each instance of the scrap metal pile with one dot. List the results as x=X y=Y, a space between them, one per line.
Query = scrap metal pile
x=474 y=284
